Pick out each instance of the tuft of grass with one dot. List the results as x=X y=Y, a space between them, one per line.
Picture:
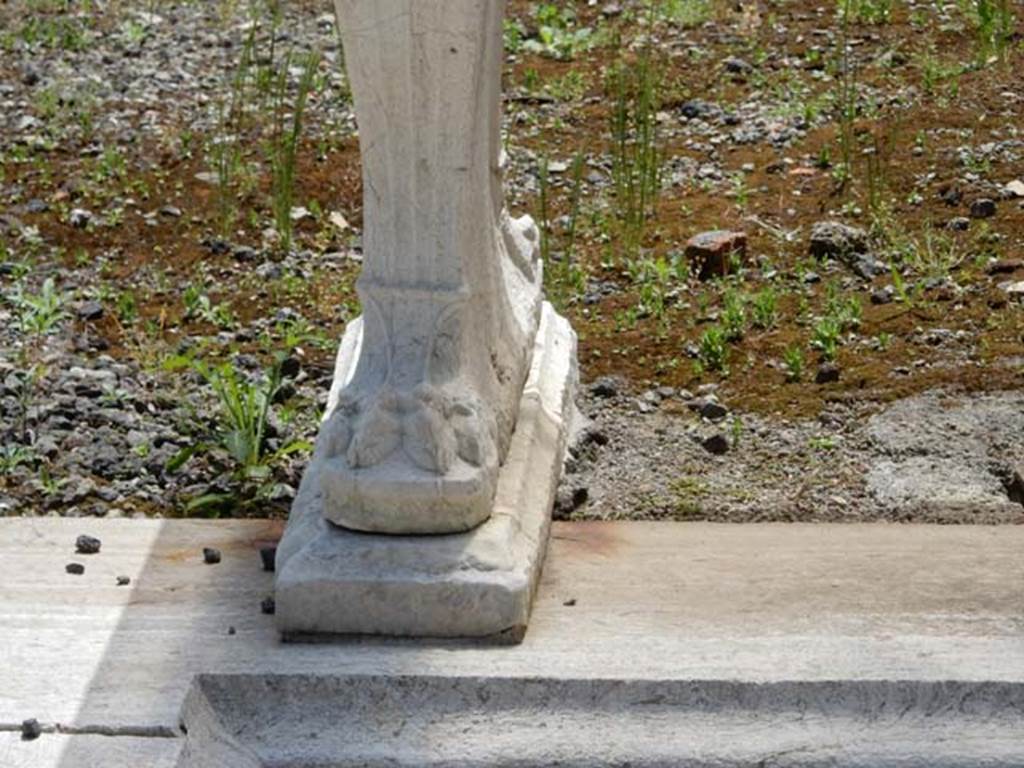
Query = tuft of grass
x=793 y=361
x=283 y=147
x=633 y=89
x=242 y=425
x=765 y=309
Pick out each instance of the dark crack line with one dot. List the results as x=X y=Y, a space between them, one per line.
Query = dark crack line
x=135 y=731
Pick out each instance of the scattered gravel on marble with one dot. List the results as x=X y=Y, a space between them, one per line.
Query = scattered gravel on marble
x=87 y=545
x=211 y=556
x=123 y=581
x=75 y=569
x=268 y=606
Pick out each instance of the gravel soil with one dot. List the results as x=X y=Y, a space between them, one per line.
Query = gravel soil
x=930 y=458
x=139 y=251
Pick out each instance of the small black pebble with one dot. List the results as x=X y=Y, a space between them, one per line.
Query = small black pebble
x=231 y=630
x=123 y=581
x=30 y=729
x=268 y=555
x=75 y=569
x=827 y=374
x=717 y=444
x=87 y=545
x=267 y=606
x=211 y=556
x=570 y=602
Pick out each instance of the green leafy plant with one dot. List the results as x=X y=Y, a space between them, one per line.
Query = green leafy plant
x=827 y=336
x=734 y=316
x=685 y=13
x=558 y=35
x=40 y=313
x=713 y=350
x=765 y=309
x=244 y=415
x=198 y=306
x=995 y=24
x=13 y=456
x=793 y=362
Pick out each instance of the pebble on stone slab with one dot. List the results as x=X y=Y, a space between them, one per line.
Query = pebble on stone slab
x=123 y=581
x=211 y=556
x=75 y=569
x=30 y=729
x=267 y=606
x=268 y=556
x=87 y=545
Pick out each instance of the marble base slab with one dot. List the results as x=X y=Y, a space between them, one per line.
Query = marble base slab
x=333 y=581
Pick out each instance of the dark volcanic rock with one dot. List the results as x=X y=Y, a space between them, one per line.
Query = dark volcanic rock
x=717 y=444
x=983 y=208
x=828 y=373
x=211 y=556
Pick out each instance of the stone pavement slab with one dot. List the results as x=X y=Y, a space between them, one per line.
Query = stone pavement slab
x=700 y=603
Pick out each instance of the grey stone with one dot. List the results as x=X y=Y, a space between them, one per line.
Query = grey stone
x=709 y=408
x=738 y=66
x=883 y=295
x=79 y=218
x=246 y=721
x=606 y=386
x=983 y=208
x=835 y=240
x=90 y=310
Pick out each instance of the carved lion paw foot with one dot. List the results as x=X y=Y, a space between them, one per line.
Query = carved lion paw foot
x=427 y=427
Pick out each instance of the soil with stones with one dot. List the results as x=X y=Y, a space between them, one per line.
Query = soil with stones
x=929 y=458
x=809 y=306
